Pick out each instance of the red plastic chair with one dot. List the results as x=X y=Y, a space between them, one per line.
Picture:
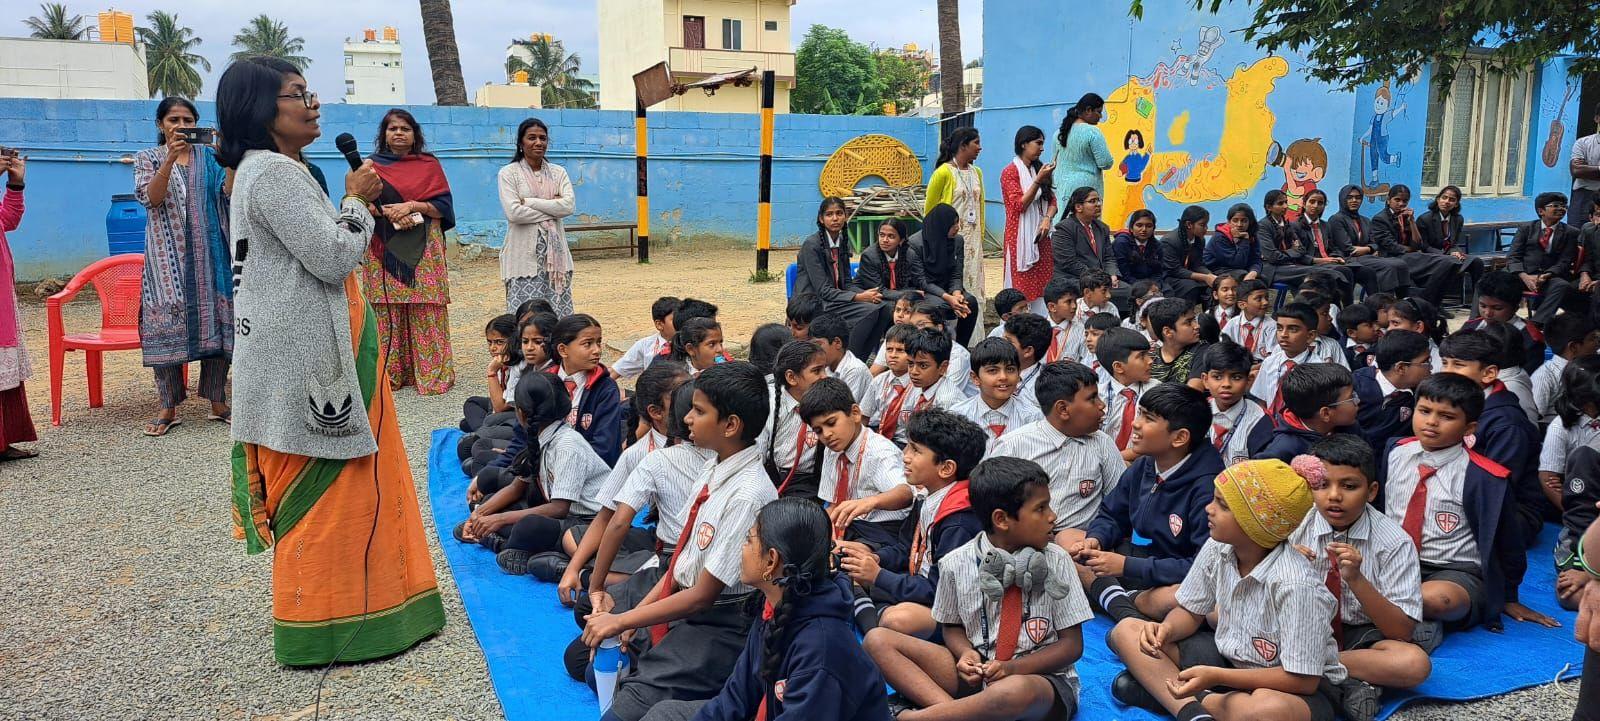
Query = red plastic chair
x=117 y=281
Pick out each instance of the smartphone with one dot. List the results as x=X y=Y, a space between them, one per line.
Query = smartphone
x=198 y=136
x=416 y=218
x=6 y=152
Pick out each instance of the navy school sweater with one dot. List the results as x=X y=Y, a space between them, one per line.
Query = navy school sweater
x=1291 y=438
x=1490 y=510
x=1532 y=343
x=599 y=420
x=1168 y=520
x=954 y=524
x=824 y=674
x=1380 y=421
x=1507 y=437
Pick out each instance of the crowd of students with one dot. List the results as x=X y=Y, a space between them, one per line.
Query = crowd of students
x=1284 y=504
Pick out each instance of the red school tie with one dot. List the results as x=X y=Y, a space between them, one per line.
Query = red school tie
x=1544 y=238
x=1316 y=232
x=1221 y=433
x=572 y=386
x=1336 y=587
x=1057 y=345
x=1417 y=507
x=799 y=449
x=893 y=283
x=1005 y=645
x=1277 y=398
x=891 y=415
x=1250 y=336
x=1357 y=221
x=841 y=490
x=997 y=429
x=1094 y=243
x=1128 y=407
x=660 y=630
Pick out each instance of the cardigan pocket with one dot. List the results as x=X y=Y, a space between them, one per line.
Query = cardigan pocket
x=330 y=406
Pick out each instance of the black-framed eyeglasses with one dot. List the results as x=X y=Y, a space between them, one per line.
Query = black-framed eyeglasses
x=307 y=97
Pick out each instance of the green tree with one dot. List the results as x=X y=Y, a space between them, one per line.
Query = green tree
x=170 y=57
x=263 y=36
x=555 y=71
x=905 y=80
x=55 y=23
x=1351 y=44
x=835 y=75
x=444 y=59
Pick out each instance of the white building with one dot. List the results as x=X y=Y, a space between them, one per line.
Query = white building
x=81 y=69
x=372 y=72
x=697 y=39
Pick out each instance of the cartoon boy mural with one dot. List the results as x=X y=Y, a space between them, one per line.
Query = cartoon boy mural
x=1376 y=138
x=1304 y=163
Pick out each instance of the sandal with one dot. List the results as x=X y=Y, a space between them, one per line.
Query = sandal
x=160 y=426
x=14 y=453
x=226 y=417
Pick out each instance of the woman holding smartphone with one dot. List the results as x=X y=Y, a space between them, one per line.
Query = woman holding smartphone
x=186 y=299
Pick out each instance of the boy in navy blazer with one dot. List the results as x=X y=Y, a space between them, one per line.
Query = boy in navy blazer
x=1543 y=254
x=1387 y=390
x=1318 y=400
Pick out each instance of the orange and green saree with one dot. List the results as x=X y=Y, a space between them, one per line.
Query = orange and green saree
x=319 y=514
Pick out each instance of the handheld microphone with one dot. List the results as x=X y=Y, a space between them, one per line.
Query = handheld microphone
x=346 y=143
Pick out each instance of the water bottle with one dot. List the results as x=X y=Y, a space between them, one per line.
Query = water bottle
x=609 y=664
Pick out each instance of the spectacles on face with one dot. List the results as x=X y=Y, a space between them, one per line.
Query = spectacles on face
x=307 y=97
x=1353 y=399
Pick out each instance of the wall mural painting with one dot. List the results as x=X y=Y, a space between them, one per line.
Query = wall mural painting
x=1304 y=164
x=1551 y=154
x=1387 y=105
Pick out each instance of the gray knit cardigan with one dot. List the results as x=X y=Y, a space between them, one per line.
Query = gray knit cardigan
x=295 y=388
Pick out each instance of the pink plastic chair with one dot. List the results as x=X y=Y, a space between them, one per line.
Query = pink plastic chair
x=117 y=281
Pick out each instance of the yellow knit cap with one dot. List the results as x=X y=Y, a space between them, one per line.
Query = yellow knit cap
x=1267 y=497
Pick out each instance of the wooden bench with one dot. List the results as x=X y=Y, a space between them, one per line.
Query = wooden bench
x=632 y=228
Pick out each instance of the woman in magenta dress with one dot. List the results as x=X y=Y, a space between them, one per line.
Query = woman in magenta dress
x=1030 y=204
x=16 y=426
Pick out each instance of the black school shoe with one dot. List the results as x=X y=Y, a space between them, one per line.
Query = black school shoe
x=899 y=704
x=1129 y=692
x=513 y=561
x=549 y=566
x=460 y=532
x=1358 y=700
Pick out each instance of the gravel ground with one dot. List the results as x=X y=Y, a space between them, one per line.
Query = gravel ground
x=135 y=602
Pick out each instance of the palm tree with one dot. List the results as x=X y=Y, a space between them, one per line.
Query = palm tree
x=55 y=23
x=439 y=34
x=268 y=37
x=950 y=57
x=168 y=51
x=555 y=72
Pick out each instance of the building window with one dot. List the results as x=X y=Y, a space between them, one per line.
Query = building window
x=772 y=25
x=349 y=87
x=349 y=59
x=1477 y=137
x=732 y=34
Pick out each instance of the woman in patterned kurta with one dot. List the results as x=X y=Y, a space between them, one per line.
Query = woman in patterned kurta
x=958 y=182
x=186 y=299
x=1030 y=206
x=404 y=272
x=16 y=426
x=535 y=195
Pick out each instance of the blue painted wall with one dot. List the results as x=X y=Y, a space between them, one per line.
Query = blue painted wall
x=1033 y=76
x=703 y=167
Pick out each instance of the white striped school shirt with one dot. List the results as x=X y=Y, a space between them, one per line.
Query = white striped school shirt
x=1027 y=387
x=875 y=465
x=1272 y=370
x=1560 y=441
x=1237 y=423
x=957 y=599
x=666 y=480
x=1086 y=311
x=629 y=460
x=786 y=440
x=1265 y=329
x=945 y=393
x=569 y=469
x=1278 y=616
x=1388 y=561
x=1082 y=469
x=1446 y=507
x=1111 y=392
x=854 y=373
x=929 y=511
x=881 y=392
x=739 y=488
x=1010 y=416
x=1074 y=344
x=1547 y=387
x=639 y=356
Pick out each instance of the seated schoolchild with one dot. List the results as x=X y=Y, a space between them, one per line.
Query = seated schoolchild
x=1387 y=388
x=829 y=331
x=1442 y=229
x=646 y=349
x=800 y=658
x=894 y=267
x=1543 y=254
x=886 y=387
x=1225 y=293
x=1094 y=288
x=1571 y=336
x=931 y=314
x=497 y=334
x=1007 y=303
x=800 y=311
x=993 y=664
x=1382 y=256
x=997 y=408
x=1509 y=359
x=928 y=354
x=1321 y=301
x=702 y=595
x=1066 y=323
x=765 y=343
x=1253 y=326
x=941 y=452
x=1082 y=461
x=1233 y=247
x=1030 y=335
x=1504 y=435
x=1416 y=314
x=1173 y=321
x=1144 y=293
x=1360 y=326
x=1395 y=227
x=1240 y=426
x=575 y=347
x=532 y=307
x=1575 y=440
x=786 y=439
x=1297 y=345
x=902 y=316
x=1329 y=248
x=1149 y=528
x=1499 y=297
x=1137 y=250
x=1459 y=509
x=500 y=433
x=1371 y=569
x=1318 y=399
x=1284 y=258
x=1093 y=330
x=1182 y=252
x=1271 y=652
x=1125 y=355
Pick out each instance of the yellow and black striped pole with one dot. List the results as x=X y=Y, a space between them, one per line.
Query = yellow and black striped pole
x=764 y=209
x=641 y=132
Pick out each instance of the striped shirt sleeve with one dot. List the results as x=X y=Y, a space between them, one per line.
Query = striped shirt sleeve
x=1198 y=592
x=1305 y=610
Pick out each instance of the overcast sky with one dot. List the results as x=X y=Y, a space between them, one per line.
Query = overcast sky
x=483 y=29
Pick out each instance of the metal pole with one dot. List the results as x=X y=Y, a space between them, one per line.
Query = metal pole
x=764 y=209
x=642 y=163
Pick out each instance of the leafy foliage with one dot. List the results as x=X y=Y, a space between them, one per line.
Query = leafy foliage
x=835 y=75
x=555 y=72
x=169 y=53
x=1356 y=43
x=905 y=80
x=263 y=36
x=55 y=23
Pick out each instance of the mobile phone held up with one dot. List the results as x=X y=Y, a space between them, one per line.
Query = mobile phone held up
x=6 y=152
x=197 y=136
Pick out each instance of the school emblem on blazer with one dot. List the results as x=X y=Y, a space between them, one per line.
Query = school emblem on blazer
x=777 y=689
x=704 y=534
x=1405 y=413
x=1447 y=521
x=1086 y=488
x=1575 y=485
x=1038 y=629
x=1267 y=649
x=1175 y=522
x=588 y=420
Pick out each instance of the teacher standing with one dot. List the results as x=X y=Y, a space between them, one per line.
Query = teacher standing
x=1030 y=207
x=404 y=273
x=1084 y=155
x=319 y=467
x=16 y=425
x=958 y=182
x=535 y=195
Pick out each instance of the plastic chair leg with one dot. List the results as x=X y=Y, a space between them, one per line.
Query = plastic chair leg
x=94 y=364
x=57 y=360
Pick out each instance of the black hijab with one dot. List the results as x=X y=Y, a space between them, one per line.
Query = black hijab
x=1345 y=193
x=937 y=252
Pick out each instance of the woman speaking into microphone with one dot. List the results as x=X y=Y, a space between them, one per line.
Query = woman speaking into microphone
x=317 y=449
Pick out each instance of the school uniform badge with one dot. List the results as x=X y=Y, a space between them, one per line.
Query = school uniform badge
x=1175 y=522
x=1085 y=488
x=1447 y=521
x=1038 y=629
x=777 y=689
x=1405 y=413
x=704 y=534
x=1575 y=485
x=1267 y=649
x=588 y=420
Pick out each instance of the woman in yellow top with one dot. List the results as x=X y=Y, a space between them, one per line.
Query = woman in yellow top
x=958 y=182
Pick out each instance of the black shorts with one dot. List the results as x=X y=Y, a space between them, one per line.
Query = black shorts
x=1127 y=548
x=1201 y=650
x=1358 y=636
x=1066 y=705
x=1469 y=581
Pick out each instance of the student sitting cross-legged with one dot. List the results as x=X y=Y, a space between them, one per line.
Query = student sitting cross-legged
x=1149 y=528
x=997 y=408
x=1240 y=427
x=942 y=450
x=931 y=385
x=1010 y=609
x=1125 y=354
x=1271 y=650
x=1571 y=336
x=1370 y=567
x=786 y=439
x=1576 y=438
x=831 y=334
x=1499 y=299
x=1318 y=399
x=1296 y=344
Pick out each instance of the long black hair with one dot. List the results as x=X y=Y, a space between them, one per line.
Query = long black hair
x=418 y=145
x=247 y=106
x=798 y=529
x=1089 y=101
x=693 y=332
x=1249 y=213
x=1580 y=388
x=541 y=399
x=522 y=129
x=822 y=208
x=506 y=326
x=793 y=356
x=567 y=330
x=165 y=106
x=1027 y=134
x=953 y=142
x=765 y=343
x=656 y=381
x=1191 y=215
